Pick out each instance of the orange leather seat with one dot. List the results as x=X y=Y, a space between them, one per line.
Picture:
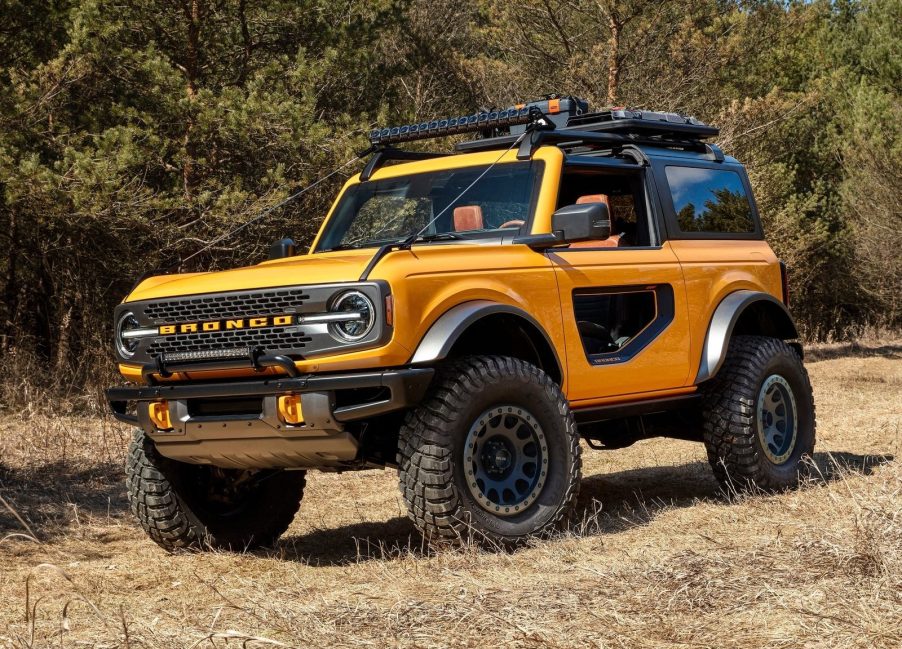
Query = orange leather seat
x=468 y=217
x=612 y=241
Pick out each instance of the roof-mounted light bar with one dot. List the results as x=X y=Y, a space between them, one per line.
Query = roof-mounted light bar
x=484 y=121
x=566 y=116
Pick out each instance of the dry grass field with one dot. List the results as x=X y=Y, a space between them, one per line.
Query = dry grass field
x=657 y=558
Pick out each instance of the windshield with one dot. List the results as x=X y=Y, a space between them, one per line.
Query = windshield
x=376 y=212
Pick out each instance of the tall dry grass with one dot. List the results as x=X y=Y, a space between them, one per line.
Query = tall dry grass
x=655 y=557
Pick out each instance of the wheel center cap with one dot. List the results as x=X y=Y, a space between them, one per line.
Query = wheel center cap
x=502 y=458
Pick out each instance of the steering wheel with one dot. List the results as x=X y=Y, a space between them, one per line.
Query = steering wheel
x=516 y=223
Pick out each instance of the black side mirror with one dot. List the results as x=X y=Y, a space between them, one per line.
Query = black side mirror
x=586 y=222
x=283 y=248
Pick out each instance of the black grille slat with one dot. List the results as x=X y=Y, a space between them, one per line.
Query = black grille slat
x=270 y=338
x=221 y=307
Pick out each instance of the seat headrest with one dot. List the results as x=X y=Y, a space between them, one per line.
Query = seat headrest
x=594 y=198
x=597 y=198
x=612 y=241
x=468 y=217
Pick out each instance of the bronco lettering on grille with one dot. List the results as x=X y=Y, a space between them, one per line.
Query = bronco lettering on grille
x=217 y=325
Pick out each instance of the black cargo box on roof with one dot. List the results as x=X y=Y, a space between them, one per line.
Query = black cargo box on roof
x=644 y=122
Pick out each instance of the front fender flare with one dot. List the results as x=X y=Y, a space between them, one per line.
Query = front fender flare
x=724 y=320
x=445 y=331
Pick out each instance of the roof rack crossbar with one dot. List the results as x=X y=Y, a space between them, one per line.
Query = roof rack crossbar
x=567 y=138
x=562 y=138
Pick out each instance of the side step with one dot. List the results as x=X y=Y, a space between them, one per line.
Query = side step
x=620 y=425
x=634 y=408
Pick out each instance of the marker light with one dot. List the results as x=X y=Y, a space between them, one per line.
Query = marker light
x=389 y=310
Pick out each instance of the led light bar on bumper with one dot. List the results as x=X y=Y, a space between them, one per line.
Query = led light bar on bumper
x=208 y=355
x=297 y=322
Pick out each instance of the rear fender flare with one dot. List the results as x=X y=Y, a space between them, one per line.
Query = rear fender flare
x=724 y=321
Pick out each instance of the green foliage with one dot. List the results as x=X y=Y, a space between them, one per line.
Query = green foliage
x=134 y=133
x=728 y=212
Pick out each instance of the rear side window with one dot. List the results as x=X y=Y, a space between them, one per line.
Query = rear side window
x=710 y=200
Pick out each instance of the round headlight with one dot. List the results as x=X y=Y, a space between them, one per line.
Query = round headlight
x=126 y=346
x=360 y=319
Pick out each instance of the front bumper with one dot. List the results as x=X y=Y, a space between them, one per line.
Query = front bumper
x=208 y=428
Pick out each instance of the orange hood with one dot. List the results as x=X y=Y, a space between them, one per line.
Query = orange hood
x=321 y=268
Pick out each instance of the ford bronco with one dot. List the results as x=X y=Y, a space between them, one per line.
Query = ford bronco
x=468 y=318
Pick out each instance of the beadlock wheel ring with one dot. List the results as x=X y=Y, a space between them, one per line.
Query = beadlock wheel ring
x=777 y=419
x=506 y=460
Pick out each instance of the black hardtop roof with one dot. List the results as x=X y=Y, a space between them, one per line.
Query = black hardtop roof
x=609 y=156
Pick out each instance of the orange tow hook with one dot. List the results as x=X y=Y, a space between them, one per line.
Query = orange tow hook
x=159 y=414
x=290 y=409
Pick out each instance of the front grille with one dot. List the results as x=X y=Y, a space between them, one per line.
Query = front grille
x=271 y=338
x=229 y=305
x=304 y=340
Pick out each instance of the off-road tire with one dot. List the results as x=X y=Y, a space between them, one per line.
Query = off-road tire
x=431 y=454
x=176 y=517
x=730 y=416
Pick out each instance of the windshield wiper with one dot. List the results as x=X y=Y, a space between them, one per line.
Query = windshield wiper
x=435 y=236
x=404 y=244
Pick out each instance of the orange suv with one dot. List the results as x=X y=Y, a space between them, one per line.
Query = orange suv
x=468 y=318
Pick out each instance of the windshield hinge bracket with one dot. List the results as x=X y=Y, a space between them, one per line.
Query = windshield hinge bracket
x=382 y=154
x=537 y=127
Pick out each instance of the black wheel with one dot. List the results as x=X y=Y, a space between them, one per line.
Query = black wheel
x=492 y=454
x=196 y=506
x=758 y=413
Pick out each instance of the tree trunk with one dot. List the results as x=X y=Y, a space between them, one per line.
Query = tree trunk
x=11 y=284
x=246 y=41
x=616 y=28
x=62 y=347
x=192 y=55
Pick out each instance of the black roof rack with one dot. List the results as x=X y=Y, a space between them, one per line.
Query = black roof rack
x=571 y=138
x=555 y=119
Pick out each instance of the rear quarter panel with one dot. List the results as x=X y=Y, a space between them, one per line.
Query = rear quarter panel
x=713 y=269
